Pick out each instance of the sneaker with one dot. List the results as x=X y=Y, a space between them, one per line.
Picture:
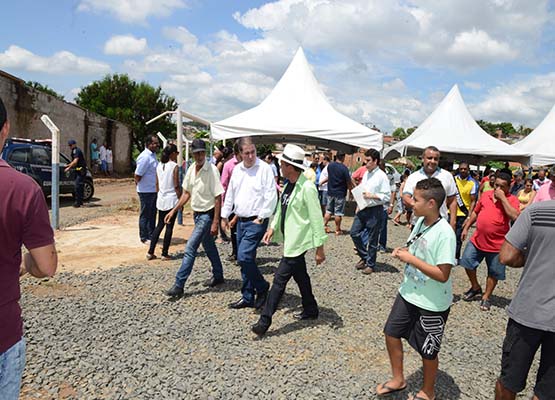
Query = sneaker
x=470 y=294
x=175 y=292
x=382 y=249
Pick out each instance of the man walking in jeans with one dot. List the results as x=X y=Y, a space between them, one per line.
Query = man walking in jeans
x=530 y=243
x=298 y=222
x=252 y=197
x=145 y=179
x=202 y=185
x=368 y=221
x=339 y=181
x=23 y=220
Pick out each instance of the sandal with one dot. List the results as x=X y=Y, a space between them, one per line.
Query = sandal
x=328 y=230
x=470 y=294
x=417 y=397
x=485 y=305
x=165 y=258
x=338 y=233
x=389 y=389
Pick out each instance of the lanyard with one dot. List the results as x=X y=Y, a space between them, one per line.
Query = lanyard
x=421 y=233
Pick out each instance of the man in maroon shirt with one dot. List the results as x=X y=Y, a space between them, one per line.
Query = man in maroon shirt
x=494 y=212
x=23 y=220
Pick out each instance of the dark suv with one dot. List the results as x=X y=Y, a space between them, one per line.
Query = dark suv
x=34 y=158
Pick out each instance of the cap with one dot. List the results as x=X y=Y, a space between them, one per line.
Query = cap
x=71 y=141
x=198 y=145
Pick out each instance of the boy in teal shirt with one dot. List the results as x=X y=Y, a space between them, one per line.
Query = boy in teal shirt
x=422 y=306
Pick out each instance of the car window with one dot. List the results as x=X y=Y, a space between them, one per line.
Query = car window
x=41 y=156
x=21 y=155
x=64 y=159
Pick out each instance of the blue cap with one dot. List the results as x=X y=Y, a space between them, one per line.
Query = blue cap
x=71 y=141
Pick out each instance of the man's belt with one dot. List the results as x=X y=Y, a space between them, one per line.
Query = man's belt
x=211 y=212
x=248 y=219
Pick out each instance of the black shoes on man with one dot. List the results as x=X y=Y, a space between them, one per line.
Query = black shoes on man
x=213 y=282
x=175 y=292
x=240 y=304
x=304 y=315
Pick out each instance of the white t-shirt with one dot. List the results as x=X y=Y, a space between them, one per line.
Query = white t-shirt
x=167 y=197
x=109 y=158
x=443 y=176
x=324 y=175
x=102 y=153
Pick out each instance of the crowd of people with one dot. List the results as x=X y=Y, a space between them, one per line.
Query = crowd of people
x=287 y=198
x=284 y=198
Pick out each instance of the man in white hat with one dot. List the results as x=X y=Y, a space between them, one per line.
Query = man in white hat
x=298 y=204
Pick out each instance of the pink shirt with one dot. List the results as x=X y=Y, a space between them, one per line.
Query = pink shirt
x=226 y=174
x=545 y=193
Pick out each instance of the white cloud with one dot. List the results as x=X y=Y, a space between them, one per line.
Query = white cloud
x=394 y=85
x=62 y=62
x=477 y=47
x=132 y=11
x=125 y=45
x=525 y=101
x=473 y=85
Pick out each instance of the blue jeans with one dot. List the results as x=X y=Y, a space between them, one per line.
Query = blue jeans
x=147 y=216
x=12 y=363
x=367 y=221
x=249 y=236
x=200 y=235
x=383 y=230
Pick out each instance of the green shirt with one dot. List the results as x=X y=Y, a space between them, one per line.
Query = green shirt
x=436 y=246
x=304 y=225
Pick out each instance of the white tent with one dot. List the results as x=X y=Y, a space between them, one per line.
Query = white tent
x=456 y=134
x=297 y=111
x=541 y=141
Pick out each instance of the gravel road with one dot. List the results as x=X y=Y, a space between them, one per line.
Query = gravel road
x=114 y=335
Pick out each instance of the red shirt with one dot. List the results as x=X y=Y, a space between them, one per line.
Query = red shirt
x=493 y=223
x=359 y=174
x=23 y=220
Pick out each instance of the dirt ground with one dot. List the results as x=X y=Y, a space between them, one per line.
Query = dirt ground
x=108 y=237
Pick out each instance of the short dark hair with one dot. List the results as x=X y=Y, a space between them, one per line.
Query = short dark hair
x=340 y=156
x=236 y=147
x=432 y=189
x=373 y=154
x=464 y=163
x=3 y=114
x=244 y=141
x=505 y=177
x=168 y=150
x=327 y=158
x=149 y=139
x=433 y=148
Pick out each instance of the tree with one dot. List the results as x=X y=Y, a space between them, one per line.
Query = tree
x=45 y=89
x=121 y=98
x=399 y=134
x=411 y=130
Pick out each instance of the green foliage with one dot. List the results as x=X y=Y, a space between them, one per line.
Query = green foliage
x=120 y=98
x=507 y=128
x=263 y=149
x=45 y=89
x=411 y=130
x=399 y=134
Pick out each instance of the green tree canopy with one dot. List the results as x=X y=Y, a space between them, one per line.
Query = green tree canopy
x=399 y=134
x=121 y=98
x=45 y=89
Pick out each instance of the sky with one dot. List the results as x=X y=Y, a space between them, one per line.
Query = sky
x=383 y=62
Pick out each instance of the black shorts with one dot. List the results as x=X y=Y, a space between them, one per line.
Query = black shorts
x=423 y=329
x=519 y=348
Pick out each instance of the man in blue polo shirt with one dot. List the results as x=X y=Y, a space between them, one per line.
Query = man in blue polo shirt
x=145 y=179
x=339 y=181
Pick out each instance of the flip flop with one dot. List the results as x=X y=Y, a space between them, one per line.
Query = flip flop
x=417 y=397
x=390 y=389
x=338 y=233
x=328 y=230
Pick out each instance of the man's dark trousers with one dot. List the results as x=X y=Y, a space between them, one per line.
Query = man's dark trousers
x=458 y=233
x=147 y=217
x=79 y=188
x=290 y=267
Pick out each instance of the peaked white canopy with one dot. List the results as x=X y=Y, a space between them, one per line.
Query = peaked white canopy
x=297 y=111
x=456 y=134
x=541 y=141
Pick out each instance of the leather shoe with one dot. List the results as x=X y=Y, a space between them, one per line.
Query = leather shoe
x=367 y=271
x=175 y=292
x=261 y=299
x=259 y=328
x=360 y=265
x=240 y=304
x=214 y=282
x=303 y=316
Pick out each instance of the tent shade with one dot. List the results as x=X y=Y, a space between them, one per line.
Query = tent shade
x=456 y=134
x=540 y=142
x=298 y=111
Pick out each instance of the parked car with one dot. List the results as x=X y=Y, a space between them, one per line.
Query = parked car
x=390 y=170
x=34 y=158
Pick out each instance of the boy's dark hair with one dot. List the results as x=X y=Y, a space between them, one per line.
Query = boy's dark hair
x=3 y=114
x=149 y=139
x=432 y=189
x=168 y=150
x=340 y=156
x=373 y=154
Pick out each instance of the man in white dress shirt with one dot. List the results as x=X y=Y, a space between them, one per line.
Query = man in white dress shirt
x=368 y=221
x=252 y=196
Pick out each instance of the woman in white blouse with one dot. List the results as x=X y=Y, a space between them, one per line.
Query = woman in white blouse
x=169 y=191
